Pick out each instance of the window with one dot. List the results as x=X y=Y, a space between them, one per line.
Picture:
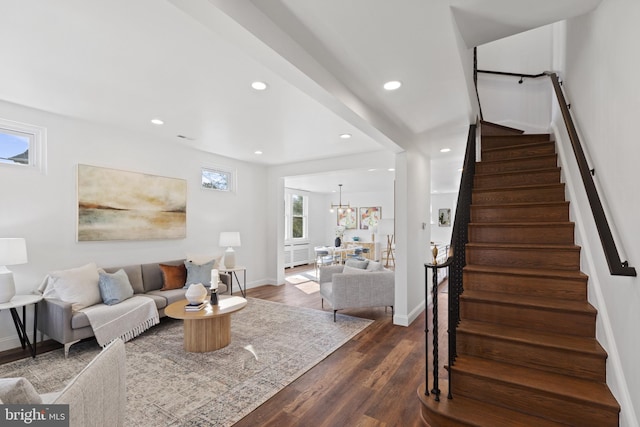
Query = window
x=21 y=144
x=296 y=206
x=218 y=179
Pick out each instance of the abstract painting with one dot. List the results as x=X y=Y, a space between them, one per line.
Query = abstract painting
x=369 y=217
x=120 y=205
x=348 y=218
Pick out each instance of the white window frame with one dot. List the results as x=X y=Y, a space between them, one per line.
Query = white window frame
x=37 y=137
x=288 y=216
x=231 y=178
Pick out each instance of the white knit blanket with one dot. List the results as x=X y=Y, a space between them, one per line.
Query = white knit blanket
x=125 y=320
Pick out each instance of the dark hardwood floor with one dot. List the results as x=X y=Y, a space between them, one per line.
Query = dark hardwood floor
x=369 y=381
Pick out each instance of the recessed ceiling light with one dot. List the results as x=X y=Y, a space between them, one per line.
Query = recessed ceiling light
x=391 y=169
x=460 y=170
x=257 y=152
x=345 y=135
x=259 y=85
x=157 y=122
x=445 y=150
x=372 y=170
x=392 y=85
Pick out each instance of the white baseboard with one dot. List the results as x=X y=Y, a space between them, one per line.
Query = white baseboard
x=406 y=320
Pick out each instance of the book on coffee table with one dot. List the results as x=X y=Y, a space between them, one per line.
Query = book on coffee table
x=194 y=307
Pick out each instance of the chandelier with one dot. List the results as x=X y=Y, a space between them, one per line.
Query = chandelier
x=340 y=206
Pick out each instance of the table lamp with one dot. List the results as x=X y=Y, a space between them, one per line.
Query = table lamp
x=229 y=239
x=12 y=251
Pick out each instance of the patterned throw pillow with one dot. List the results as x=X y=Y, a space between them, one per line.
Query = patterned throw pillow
x=173 y=276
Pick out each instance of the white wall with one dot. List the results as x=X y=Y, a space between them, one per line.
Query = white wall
x=524 y=106
x=601 y=83
x=442 y=201
x=413 y=182
x=43 y=207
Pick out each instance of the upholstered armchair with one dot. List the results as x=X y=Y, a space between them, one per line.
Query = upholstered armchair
x=97 y=396
x=343 y=286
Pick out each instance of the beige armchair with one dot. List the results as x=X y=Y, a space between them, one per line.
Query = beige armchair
x=97 y=396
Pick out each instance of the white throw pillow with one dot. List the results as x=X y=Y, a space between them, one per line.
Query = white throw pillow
x=374 y=266
x=78 y=286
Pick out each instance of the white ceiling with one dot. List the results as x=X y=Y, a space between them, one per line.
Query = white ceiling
x=191 y=62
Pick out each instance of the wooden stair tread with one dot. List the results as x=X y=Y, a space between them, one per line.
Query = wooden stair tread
x=546 y=273
x=517 y=172
x=511 y=130
x=517 y=159
x=529 y=336
x=521 y=224
x=596 y=394
x=481 y=414
x=529 y=301
x=516 y=246
x=524 y=204
x=517 y=146
x=519 y=187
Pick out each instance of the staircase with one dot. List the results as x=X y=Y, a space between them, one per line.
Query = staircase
x=527 y=353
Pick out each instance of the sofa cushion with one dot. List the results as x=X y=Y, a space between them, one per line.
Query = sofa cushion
x=78 y=286
x=353 y=270
x=173 y=276
x=134 y=273
x=114 y=287
x=161 y=302
x=355 y=263
x=374 y=266
x=18 y=391
x=169 y=296
x=199 y=273
x=152 y=275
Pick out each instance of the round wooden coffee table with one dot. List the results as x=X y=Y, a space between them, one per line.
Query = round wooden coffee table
x=210 y=328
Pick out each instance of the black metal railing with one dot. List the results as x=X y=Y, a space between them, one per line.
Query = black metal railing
x=617 y=267
x=455 y=263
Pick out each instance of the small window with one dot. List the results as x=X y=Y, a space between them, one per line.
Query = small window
x=217 y=179
x=21 y=144
x=296 y=213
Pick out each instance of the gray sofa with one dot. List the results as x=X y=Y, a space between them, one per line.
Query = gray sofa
x=57 y=320
x=356 y=289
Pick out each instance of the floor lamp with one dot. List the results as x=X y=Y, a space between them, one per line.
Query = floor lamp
x=386 y=228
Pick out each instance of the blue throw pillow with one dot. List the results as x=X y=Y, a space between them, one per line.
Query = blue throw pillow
x=199 y=273
x=114 y=287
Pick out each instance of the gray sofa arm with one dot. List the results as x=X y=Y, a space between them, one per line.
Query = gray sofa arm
x=327 y=272
x=353 y=290
x=54 y=319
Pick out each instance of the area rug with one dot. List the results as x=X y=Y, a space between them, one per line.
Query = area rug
x=309 y=287
x=271 y=345
x=297 y=279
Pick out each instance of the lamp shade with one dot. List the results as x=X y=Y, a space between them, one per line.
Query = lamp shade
x=229 y=239
x=13 y=251
x=386 y=226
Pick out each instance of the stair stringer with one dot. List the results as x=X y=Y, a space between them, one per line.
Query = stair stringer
x=616 y=379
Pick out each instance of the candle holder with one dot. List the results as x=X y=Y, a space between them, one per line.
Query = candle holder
x=214 y=297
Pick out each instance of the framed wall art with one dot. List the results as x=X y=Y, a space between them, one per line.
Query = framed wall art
x=444 y=217
x=120 y=205
x=369 y=217
x=348 y=218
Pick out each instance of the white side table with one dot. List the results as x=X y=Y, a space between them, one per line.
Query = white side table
x=23 y=301
x=233 y=272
